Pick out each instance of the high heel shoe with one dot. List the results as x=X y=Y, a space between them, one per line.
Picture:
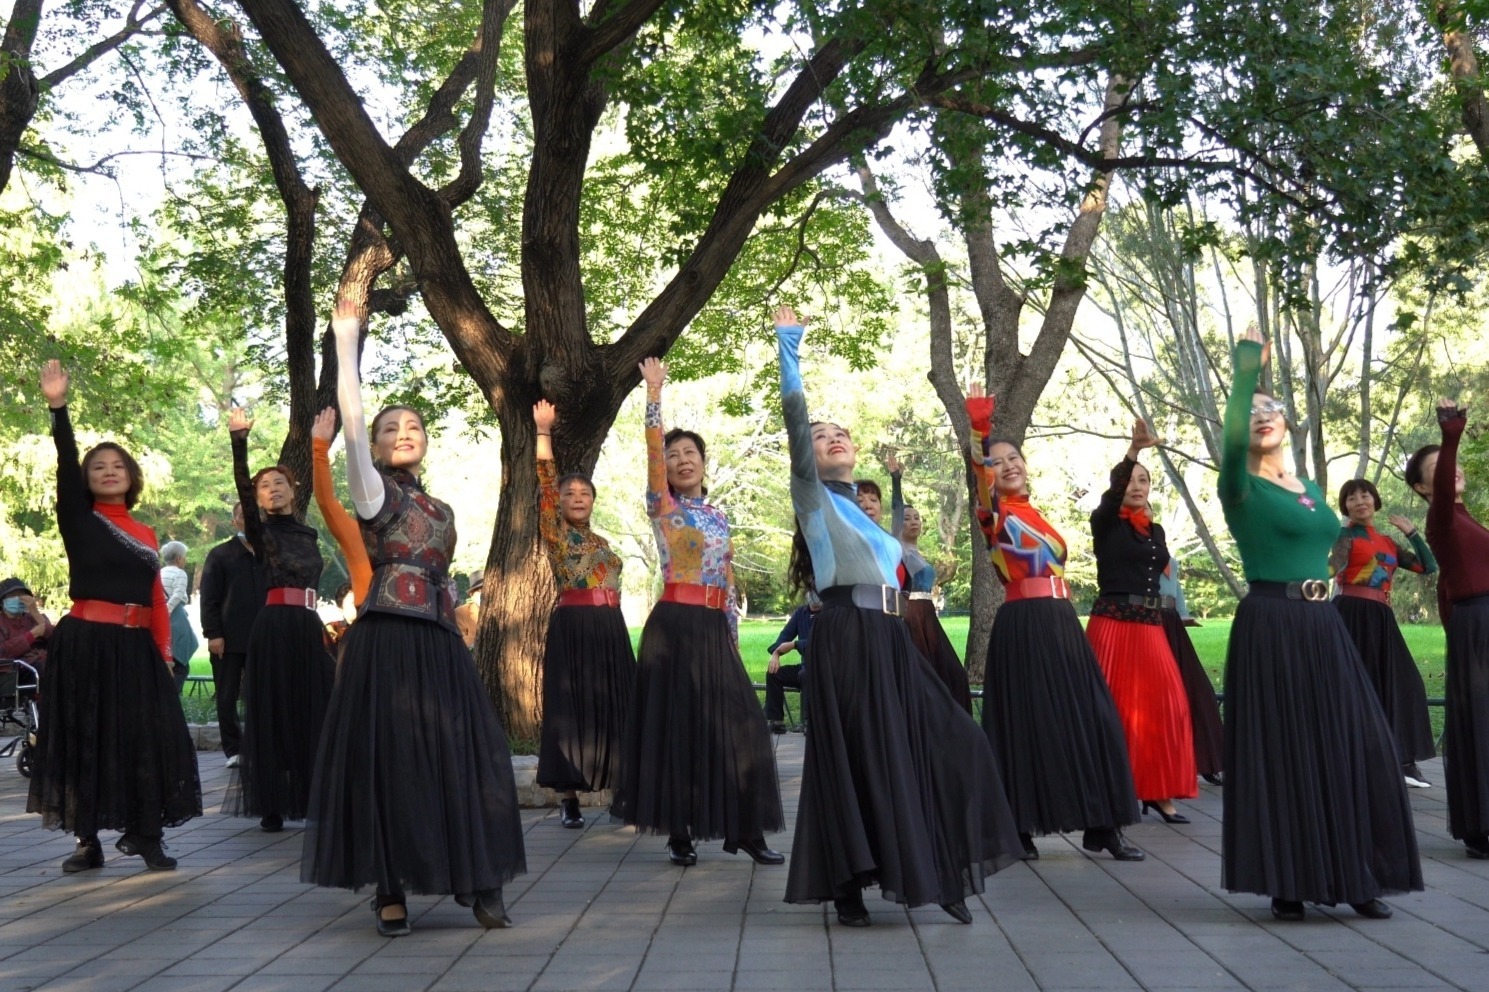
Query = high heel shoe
x=757 y=850
x=1288 y=910
x=394 y=926
x=681 y=852
x=1214 y=778
x=851 y=911
x=148 y=849
x=1031 y=853
x=958 y=911
x=489 y=909
x=1167 y=817
x=1110 y=839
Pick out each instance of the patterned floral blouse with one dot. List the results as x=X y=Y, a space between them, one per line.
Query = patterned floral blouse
x=1023 y=544
x=410 y=543
x=693 y=541
x=1363 y=556
x=581 y=558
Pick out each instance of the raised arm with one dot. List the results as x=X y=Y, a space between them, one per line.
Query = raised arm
x=1451 y=420
x=658 y=496
x=1109 y=511
x=1418 y=558
x=896 y=495
x=806 y=488
x=363 y=481
x=340 y=523
x=239 y=427
x=72 y=491
x=1250 y=356
x=550 y=521
x=980 y=413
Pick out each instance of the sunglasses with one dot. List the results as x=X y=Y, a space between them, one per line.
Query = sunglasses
x=1267 y=410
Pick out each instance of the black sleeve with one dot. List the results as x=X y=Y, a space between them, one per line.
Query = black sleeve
x=210 y=592
x=72 y=495
x=253 y=525
x=1108 y=513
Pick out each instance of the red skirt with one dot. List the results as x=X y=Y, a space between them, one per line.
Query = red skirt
x=1144 y=678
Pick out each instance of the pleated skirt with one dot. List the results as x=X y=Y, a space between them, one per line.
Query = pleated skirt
x=1315 y=808
x=287 y=680
x=1199 y=691
x=589 y=673
x=1149 y=695
x=930 y=637
x=899 y=786
x=1049 y=715
x=113 y=751
x=1465 y=754
x=1394 y=674
x=413 y=788
x=697 y=759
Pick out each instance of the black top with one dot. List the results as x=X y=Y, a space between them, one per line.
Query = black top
x=103 y=560
x=288 y=551
x=1127 y=563
x=231 y=594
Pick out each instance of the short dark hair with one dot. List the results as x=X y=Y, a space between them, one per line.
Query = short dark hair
x=1008 y=441
x=678 y=434
x=393 y=409
x=869 y=486
x=1414 y=465
x=342 y=591
x=1358 y=486
x=283 y=470
x=136 y=480
x=564 y=480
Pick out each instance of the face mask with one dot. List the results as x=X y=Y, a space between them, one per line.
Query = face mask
x=242 y=536
x=14 y=606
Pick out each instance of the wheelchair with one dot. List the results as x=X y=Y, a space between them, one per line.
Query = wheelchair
x=19 y=711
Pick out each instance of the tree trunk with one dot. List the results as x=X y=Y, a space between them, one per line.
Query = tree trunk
x=1463 y=69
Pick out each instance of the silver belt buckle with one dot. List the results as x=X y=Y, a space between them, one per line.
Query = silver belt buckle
x=1314 y=590
x=889 y=600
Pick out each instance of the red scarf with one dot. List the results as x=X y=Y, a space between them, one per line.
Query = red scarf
x=1141 y=519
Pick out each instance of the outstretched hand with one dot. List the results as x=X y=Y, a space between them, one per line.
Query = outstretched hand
x=653 y=372
x=893 y=465
x=238 y=421
x=1402 y=524
x=544 y=415
x=1253 y=333
x=345 y=321
x=785 y=316
x=54 y=380
x=324 y=428
x=1143 y=436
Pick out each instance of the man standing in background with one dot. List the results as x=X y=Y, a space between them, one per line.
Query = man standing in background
x=232 y=592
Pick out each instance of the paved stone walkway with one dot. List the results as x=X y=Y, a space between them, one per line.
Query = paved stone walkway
x=603 y=909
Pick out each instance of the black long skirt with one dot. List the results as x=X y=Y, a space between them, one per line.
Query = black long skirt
x=1050 y=717
x=697 y=760
x=589 y=672
x=113 y=751
x=1465 y=757
x=413 y=788
x=899 y=786
x=1394 y=674
x=1315 y=808
x=287 y=683
x=930 y=637
x=1204 y=710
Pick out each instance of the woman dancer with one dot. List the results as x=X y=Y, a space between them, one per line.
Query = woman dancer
x=1126 y=632
x=1199 y=691
x=1364 y=561
x=899 y=788
x=413 y=782
x=1461 y=544
x=870 y=498
x=1315 y=809
x=920 y=580
x=113 y=752
x=1045 y=707
x=697 y=761
x=589 y=669
x=340 y=523
x=288 y=674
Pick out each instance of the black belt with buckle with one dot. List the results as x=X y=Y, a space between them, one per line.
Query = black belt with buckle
x=883 y=599
x=1308 y=590
x=1150 y=602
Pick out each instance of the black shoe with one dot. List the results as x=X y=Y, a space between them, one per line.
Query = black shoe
x=1288 y=910
x=851 y=911
x=1214 y=778
x=680 y=851
x=1167 y=817
x=1111 y=841
x=149 y=849
x=1478 y=850
x=572 y=818
x=1031 y=853
x=89 y=854
x=755 y=849
x=272 y=824
x=489 y=909
x=396 y=926
x=958 y=911
x=777 y=727
x=1372 y=910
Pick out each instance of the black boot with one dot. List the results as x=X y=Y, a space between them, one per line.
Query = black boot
x=149 y=849
x=1110 y=839
x=89 y=854
x=851 y=910
x=572 y=818
x=681 y=852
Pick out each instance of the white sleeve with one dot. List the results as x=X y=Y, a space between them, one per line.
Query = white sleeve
x=174 y=581
x=363 y=480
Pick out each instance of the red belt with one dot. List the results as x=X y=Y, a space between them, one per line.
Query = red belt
x=589 y=597
x=291 y=596
x=102 y=611
x=1366 y=592
x=1044 y=587
x=713 y=597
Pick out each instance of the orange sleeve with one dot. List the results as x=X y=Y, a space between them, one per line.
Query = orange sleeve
x=348 y=535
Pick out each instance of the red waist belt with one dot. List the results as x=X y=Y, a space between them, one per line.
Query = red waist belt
x=1366 y=592
x=291 y=596
x=102 y=611
x=1044 y=587
x=589 y=597
x=689 y=594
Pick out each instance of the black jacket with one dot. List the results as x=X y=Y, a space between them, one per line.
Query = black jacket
x=231 y=593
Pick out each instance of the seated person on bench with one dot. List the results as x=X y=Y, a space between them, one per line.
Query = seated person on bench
x=23 y=627
x=778 y=677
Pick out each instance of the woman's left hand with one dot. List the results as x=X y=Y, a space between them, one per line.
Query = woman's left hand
x=1402 y=524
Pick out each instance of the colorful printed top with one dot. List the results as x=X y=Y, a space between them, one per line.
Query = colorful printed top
x=847 y=547
x=1460 y=542
x=1023 y=544
x=581 y=559
x=1282 y=536
x=1363 y=556
x=693 y=539
x=920 y=575
x=410 y=543
x=111 y=556
x=340 y=523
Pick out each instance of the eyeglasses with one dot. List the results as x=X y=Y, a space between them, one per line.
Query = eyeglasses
x=1268 y=410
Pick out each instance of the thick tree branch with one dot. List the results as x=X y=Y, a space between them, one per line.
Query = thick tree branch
x=611 y=30
x=1463 y=68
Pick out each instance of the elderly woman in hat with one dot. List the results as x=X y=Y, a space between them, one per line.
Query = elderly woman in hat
x=23 y=627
